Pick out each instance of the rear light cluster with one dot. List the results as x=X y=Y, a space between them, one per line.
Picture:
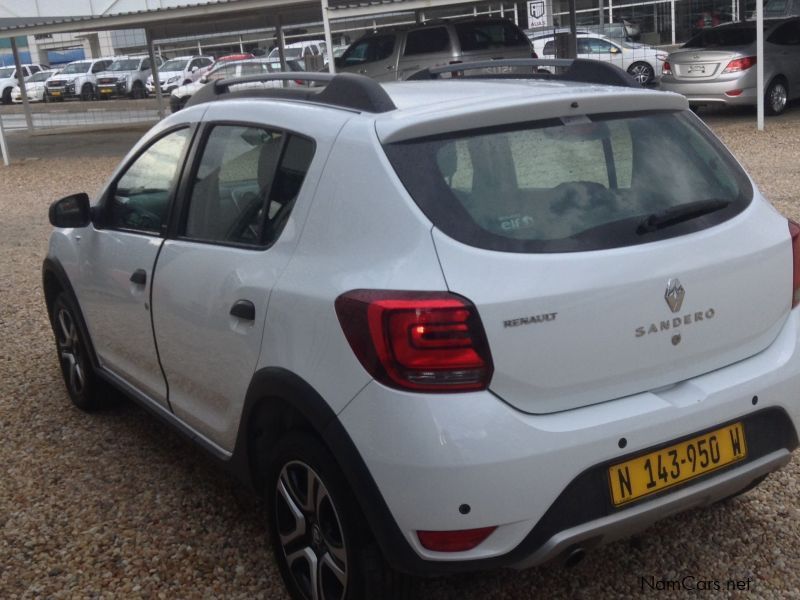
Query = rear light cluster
x=794 y=231
x=422 y=341
x=740 y=64
x=453 y=541
x=666 y=69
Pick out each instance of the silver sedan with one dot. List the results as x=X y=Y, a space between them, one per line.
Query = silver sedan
x=717 y=66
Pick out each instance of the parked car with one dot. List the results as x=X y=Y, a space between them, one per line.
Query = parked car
x=299 y=50
x=8 y=79
x=228 y=70
x=34 y=87
x=402 y=396
x=126 y=76
x=613 y=31
x=180 y=71
x=717 y=66
x=399 y=54
x=643 y=62
x=77 y=80
x=231 y=57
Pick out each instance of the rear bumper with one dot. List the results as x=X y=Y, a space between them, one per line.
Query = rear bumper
x=713 y=92
x=542 y=479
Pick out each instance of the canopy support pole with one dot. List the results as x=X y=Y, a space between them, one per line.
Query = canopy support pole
x=21 y=82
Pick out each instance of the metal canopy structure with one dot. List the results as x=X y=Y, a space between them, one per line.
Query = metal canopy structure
x=174 y=20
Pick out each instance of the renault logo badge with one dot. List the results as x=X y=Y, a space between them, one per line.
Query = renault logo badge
x=674 y=294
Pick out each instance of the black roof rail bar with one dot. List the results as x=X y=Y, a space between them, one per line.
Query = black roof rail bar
x=344 y=90
x=577 y=69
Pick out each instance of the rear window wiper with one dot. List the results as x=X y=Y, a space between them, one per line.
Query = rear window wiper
x=678 y=214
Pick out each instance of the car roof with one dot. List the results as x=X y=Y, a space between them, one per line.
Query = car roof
x=443 y=107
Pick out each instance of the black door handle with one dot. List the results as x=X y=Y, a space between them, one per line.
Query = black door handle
x=139 y=277
x=244 y=309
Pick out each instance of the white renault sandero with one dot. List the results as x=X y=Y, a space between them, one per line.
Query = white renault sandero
x=444 y=324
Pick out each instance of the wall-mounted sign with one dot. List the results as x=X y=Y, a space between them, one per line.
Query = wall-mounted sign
x=537 y=14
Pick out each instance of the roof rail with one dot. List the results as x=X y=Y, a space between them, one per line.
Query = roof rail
x=577 y=69
x=344 y=90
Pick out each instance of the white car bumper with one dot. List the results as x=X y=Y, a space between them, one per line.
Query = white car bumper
x=431 y=454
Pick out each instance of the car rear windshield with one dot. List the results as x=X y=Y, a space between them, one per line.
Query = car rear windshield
x=574 y=184
x=723 y=37
x=487 y=35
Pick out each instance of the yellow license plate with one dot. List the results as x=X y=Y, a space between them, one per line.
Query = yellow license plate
x=55 y=93
x=653 y=472
x=106 y=90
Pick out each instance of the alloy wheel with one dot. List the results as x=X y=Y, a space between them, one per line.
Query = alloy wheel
x=778 y=98
x=310 y=533
x=70 y=351
x=641 y=72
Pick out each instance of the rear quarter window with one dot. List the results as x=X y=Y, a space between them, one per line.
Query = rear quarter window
x=570 y=185
x=478 y=35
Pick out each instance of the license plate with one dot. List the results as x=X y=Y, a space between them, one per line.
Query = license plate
x=106 y=90
x=653 y=472
x=697 y=69
x=55 y=93
x=499 y=70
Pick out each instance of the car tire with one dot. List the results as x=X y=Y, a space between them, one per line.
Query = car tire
x=73 y=354
x=323 y=533
x=87 y=92
x=776 y=97
x=7 y=96
x=138 y=91
x=642 y=72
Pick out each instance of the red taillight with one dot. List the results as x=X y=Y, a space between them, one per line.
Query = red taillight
x=740 y=64
x=733 y=93
x=666 y=69
x=425 y=341
x=453 y=541
x=794 y=231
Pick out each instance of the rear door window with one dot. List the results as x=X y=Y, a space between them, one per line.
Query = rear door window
x=487 y=35
x=369 y=50
x=246 y=184
x=573 y=184
x=427 y=41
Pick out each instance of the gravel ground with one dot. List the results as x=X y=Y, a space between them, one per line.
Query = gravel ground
x=116 y=505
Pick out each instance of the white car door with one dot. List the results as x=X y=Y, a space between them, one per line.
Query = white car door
x=117 y=256
x=215 y=274
x=599 y=49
